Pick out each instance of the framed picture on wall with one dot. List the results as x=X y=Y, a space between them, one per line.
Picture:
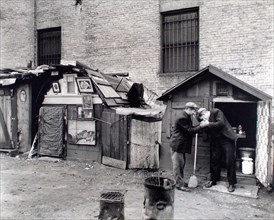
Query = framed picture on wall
x=56 y=87
x=84 y=85
x=87 y=101
x=81 y=132
x=84 y=114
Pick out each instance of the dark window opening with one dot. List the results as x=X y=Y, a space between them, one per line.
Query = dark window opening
x=49 y=46
x=222 y=89
x=180 y=41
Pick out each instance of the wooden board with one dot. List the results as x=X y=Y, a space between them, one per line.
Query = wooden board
x=114 y=162
x=114 y=136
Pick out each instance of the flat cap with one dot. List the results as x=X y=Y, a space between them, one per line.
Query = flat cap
x=192 y=105
x=200 y=110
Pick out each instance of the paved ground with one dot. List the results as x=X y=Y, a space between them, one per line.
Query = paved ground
x=37 y=189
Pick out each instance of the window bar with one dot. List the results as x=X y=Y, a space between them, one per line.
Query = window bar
x=168 y=46
x=187 y=43
x=49 y=48
x=194 y=42
x=57 y=54
x=40 y=49
x=183 y=46
x=51 y=42
x=164 y=45
x=55 y=51
x=198 y=40
x=173 y=45
x=181 y=43
x=191 y=45
x=177 y=45
x=44 y=51
x=54 y=54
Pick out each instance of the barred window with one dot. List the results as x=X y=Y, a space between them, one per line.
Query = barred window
x=49 y=46
x=180 y=37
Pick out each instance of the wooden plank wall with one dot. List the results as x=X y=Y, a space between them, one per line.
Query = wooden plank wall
x=114 y=135
x=87 y=152
x=5 y=122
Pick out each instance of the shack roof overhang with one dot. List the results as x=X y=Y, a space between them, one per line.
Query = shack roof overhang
x=205 y=73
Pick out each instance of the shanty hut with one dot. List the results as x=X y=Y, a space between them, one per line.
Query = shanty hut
x=21 y=93
x=247 y=109
x=94 y=116
x=71 y=111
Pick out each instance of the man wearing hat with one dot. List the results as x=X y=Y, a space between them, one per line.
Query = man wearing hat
x=181 y=143
x=222 y=143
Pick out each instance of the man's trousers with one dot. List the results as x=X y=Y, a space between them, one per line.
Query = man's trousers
x=223 y=147
x=178 y=164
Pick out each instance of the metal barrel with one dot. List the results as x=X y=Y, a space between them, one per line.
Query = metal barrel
x=159 y=198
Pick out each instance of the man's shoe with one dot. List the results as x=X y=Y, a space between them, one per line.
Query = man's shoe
x=231 y=188
x=182 y=188
x=210 y=184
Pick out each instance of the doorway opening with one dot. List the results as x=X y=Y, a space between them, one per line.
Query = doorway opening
x=243 y=118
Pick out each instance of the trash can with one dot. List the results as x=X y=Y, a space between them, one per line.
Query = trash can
x=112 y=205
x=159 y=198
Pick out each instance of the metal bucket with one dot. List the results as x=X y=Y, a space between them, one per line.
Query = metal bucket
x=159 y=198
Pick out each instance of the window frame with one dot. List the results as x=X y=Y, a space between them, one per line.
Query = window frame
x=54 y=38
x=195 y=42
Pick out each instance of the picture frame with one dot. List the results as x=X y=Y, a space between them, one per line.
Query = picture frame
x=87 y=101
x=84 y=85
x=56 y=87
x=84 y=114
x=82 y=132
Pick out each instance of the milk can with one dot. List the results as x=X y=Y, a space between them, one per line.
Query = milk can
x=247 y=165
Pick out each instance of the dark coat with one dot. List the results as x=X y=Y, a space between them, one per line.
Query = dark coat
x=219 y=126
x=182 y=134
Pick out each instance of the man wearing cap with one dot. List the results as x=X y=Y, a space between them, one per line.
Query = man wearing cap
x=222 y=143
x=181 y=143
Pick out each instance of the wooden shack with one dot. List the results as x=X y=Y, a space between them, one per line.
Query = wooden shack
x=21 y=94
x=243 y=105
x=91 y=120
x=70 y=111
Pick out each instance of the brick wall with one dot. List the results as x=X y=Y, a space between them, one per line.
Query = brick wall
x=16 y=33
x=114 y=38
x=235 y=36
x=125 y=37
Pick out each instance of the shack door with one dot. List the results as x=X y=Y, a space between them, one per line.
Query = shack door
x=51 y=131
x=115 y=136
x=263 y=143
x=8 y=119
